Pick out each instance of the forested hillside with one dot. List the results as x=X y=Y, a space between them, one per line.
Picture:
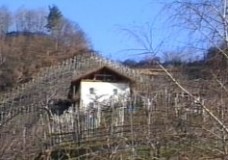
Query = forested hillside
x=32 y=39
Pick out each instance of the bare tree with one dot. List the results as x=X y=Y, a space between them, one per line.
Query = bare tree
x=5 y=20
x=204 y=20
x=72 y=35
x=30 y=20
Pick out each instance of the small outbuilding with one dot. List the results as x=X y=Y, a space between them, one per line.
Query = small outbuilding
x=99 y=90
x=100 y=86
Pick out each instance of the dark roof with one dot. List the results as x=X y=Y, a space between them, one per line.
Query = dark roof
x=88 y=74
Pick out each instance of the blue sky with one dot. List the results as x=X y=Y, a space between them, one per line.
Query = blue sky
x=104 y=23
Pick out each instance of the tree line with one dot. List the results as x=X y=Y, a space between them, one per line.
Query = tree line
x=34 y=38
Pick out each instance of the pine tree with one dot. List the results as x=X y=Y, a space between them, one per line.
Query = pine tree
x=54 y=18
x=54 y=22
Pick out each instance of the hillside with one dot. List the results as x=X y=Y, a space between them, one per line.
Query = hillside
x=33 y=45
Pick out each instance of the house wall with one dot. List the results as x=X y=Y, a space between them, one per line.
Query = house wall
x=103 y=95
x=103 y=91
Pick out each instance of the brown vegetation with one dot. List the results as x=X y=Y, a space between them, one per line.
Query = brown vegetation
x=30 y=47
x=171 y=117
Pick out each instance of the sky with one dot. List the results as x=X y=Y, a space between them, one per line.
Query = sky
x=111 y=24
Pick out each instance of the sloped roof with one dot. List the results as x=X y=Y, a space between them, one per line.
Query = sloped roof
x=92 y=72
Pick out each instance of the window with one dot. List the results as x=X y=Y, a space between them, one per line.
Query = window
x=115 y=91
x=91 y=90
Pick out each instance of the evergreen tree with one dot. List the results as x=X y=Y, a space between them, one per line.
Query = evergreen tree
x=54 y=23
x=54 y=19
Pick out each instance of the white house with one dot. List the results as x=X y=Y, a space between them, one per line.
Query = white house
x=99 y=89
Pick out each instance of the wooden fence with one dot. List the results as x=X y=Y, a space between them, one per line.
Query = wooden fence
x=162 y=122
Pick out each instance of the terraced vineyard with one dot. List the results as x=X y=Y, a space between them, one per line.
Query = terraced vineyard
x=157 y=122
